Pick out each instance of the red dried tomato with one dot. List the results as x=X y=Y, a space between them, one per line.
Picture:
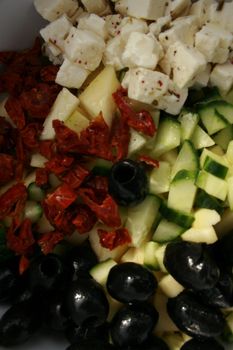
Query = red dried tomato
x=66 y=139
x=63 y=221
x=114 y=239
x=30 y=136
x=20 y=238
x=62 y=197
x=6 y=57
x=24 y=263
x=14 y=109
x=49 y=73
x=120 y=138
x=46 y=148
x=85 y=218
x=99 y=187
x=75 y=177
x=13 y=200
x=149 y=161
x=6 y=168
x=58 y=164
x=107 y=211
x=141 y=121
x=49 y=240
x=11 y=82
x=42 y=177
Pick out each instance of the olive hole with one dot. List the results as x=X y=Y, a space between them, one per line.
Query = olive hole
x=49 y=267
x=124 y=173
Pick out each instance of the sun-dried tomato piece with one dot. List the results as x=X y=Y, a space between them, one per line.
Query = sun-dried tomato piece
x=63 y=221
x=107 y=211
x=149 y=161
x=75 y=177
x=49 y=73
x=42 y=177
x=59 y=164
x=114 y=239
x=14 y=109
x=46 y=148
x=6 y=57
x=8 y=136
x=19 y=170
x=30 y=136
x=39 y=100
x=99 y=187
x=141 y=121
x=11 y=82
x=120 y=138
x=6 y=168
x=20 y=238
x=85 y=219
x=24 y=263
x=13 y=200
x=62 y=197
x=67 y=140
x=49 y=240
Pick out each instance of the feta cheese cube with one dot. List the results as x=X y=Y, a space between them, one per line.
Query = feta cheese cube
x=84 y=48
x=176 y=7
x=53 y=9
x=146 y=9
x=214 y=42
x=129 y=25
x=142 y=50
x=113 y=53
x=47 y=50
x=94 y=23
x=157 y=26
x=99 y=7
x=145 y=85
x=222 y=77
x=223 y=16
x=173 y=100
x=182 y=29
x=201 y=9
x=55 y=33
x=186 y=62
x=113 y=24
x=71 y=75
x=202 y=79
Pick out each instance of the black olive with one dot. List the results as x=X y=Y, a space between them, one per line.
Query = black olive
x=19 y=323
x=133 y=324
x=128 y=183
x=94 y=344
x=220 y=295
x=56 y=314
x=191 y=265
x=87 y=303
x=223 y=250
x=75 y=333
x=128 y=282
x=8 y=282
x=194 y=317
x=48 y=272
x=206 y=344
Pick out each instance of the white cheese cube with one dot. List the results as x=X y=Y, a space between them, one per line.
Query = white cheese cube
x=71 y=75
x=113 y=53
x=176 y=7
x=201 y=9
x=142 y=50
x=84 y=48
x=146 y=9
x=94 y=23
x=214 y=42
x=113 y=24
x=174 y=99
x=222 y=77
x=129 y=25
x=145 y=85
x=99 y=7
x=156 y=27
x=55 y=57
x=223 y=16
x=186 y=63
x=202 y=79
x=182 y=29
x=55 y=33
x=53 y=9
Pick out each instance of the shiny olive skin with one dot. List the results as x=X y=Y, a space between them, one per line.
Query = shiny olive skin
x=128 y=182
x=220 y=295
x=194 y=317
x=129 y=282
x=153 y=343
x=207 y=344
x=57 y=317
x=86 y=303
x=133 y=324
x=20 y=322
x=191 y=265
x=94 y=344
x=76 y=334
x=8 y=282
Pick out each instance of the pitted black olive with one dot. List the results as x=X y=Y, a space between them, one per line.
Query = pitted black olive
x=133 y=324
x=128 y=183
x=191 y=265
x=207 y=344
x=223 y=250
x=128 y=282
x=86 y=303
x=56 y=314
x=8 y=282
x=220 y=295
x=95 y=344
x=19 y=323
x=195 y=318
x=76 y=334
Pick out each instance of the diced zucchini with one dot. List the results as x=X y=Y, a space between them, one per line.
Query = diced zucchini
x=204 y=200
x=187 y=159
x=141 y=218
x=100 y=271
x=188 y=123
x=229 y=153
x=230 y=192
x=35 y=193
x=135 y=255
x=180 y=218
x=33 y=211
x=201 y=139
x=167 y=231
x=97 y=97
x=223 y=137
x=212 y=185
x=174 y=341
x=200 y=235
x=137 y=141
x=170 y=156
x=44 y=225
x=168 y=136
x=38 y=161
x=225 y=109
x=100 y=166
x=64 y=105
x=77 y=121
x=213 y=163
x=182 y=191
x=226 y=223
x=164 y=324
x=170 y=287
x=159 y=178
x=159 y=255
x=150 y=259
x=211 y=118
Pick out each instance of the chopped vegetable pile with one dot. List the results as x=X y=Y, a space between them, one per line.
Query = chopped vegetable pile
x=116 y=176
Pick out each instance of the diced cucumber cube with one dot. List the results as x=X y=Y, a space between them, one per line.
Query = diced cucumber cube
x=159 y=178
x=212 y=185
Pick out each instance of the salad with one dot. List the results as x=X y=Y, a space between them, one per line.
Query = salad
x=116 y=176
